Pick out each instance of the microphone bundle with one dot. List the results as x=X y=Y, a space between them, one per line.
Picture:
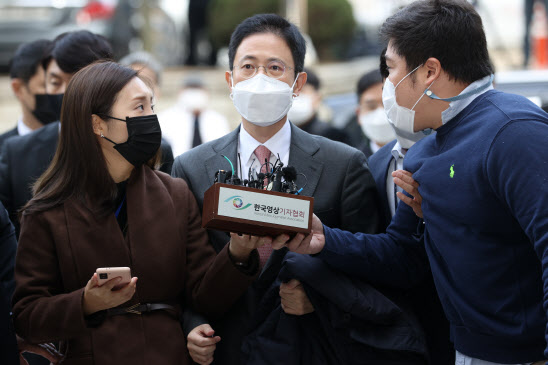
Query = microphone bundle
x=266 y=203
x=277 y=178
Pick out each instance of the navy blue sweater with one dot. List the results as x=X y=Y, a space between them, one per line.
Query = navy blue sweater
x=484 y=182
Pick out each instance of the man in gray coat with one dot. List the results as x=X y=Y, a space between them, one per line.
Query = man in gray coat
x=266 y=57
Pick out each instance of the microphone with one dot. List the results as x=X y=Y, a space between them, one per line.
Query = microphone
x=221 y=176
x=290 y=173
x=277 y=181
x=260 y=180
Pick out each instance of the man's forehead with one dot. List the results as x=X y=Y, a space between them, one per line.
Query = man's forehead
x=267 y=46
x=54 y=70
x=391 y=55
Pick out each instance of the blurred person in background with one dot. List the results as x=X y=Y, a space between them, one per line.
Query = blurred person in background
x=148 y=66
x=24 y=158
x=151 y=69
x=27 y=78
x=305 y=108
x=101 y=203
x=353 y=127
x=198 y=34
x=190 y=122
x=370 y=114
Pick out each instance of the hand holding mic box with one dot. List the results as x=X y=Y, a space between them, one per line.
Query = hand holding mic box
x=245 y=210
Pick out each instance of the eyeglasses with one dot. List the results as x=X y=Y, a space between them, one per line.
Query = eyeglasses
x=274 y=69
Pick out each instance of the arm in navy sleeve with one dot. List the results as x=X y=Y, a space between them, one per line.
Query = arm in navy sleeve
x=517 y=169
x=396 y=258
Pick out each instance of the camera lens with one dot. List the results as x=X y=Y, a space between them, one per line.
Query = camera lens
x=103 y=276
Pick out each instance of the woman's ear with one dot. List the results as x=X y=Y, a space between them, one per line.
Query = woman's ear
x=98 y=124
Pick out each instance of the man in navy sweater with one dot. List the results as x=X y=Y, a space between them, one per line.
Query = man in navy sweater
x=484 y=184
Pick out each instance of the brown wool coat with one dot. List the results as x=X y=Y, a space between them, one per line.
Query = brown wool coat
x=165 y=247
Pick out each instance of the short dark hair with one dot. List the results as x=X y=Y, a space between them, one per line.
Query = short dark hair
x=269 y=23
x=383 y=68
x=312 y=79
x=27 y=58
x=366 y=81
x=449 y=30
x=75 y=50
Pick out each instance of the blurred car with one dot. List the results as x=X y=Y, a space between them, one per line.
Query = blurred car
x=532 y=84
x=120 y=21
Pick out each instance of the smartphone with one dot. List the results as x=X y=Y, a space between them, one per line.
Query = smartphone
x=107 y=273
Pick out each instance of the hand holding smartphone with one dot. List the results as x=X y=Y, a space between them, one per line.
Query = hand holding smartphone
x=105 y=274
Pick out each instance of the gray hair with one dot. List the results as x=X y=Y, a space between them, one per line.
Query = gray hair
x=146 y=59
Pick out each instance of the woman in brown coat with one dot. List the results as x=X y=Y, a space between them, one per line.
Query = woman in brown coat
x=101 y=204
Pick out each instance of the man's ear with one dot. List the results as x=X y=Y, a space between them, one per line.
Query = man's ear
x=98 y=124
x=17 y=87
x=228 y=78
x=433 y=70
x=301 y=81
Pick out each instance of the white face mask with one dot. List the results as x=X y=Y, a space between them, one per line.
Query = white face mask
x=376 y=127
x=193 y=99
x=402 y=119
x=262 y=100
x=302 y=110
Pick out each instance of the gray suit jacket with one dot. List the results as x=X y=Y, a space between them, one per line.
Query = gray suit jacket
x=344 y=194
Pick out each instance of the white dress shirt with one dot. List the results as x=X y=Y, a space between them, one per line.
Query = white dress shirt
x=374 y=147
x=396 y=163
x=278 y=144
x=178 y=127
x=455 y=107
x=22 y=128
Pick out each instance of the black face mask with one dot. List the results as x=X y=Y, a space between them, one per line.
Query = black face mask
x=144 y=139
x=48 y=107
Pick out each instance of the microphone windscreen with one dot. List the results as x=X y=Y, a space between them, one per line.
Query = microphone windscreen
x=261 y=176
x=228 y=174
x=290 y=173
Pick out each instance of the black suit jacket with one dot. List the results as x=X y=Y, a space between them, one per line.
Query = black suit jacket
x=423 y=298
x=24 y=158
x=4 y=136
x=320 y=128
x=344 y=197
x=379 y=163
x=8 y=345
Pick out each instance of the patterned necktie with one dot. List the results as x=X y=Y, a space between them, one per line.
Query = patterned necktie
x=263 y=154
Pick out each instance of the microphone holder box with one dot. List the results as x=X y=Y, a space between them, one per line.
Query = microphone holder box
x=244 y=210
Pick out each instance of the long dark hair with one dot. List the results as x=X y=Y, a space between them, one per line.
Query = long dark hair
x=79 y=168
